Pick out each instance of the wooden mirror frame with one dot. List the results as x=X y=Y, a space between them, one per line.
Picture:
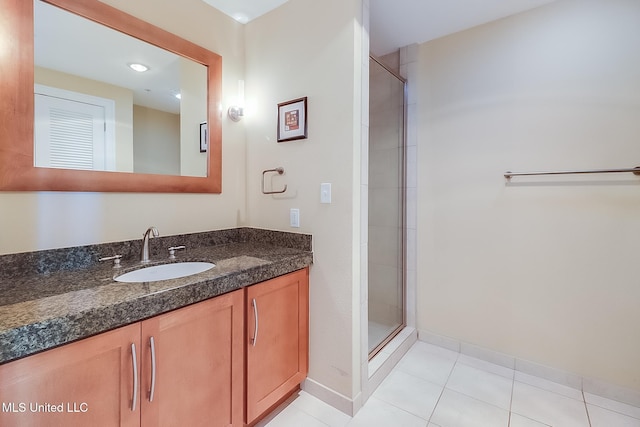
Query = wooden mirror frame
x=17 y=171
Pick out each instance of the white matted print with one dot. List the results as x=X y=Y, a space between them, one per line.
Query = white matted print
x=292 y=120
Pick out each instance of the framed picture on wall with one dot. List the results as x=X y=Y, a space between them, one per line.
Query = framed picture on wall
x=292 y=120
x=204 y=143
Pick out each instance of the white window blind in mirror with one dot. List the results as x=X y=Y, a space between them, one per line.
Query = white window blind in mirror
x=71 y=130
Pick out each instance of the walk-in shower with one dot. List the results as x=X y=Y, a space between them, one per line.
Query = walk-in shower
x=386 y=239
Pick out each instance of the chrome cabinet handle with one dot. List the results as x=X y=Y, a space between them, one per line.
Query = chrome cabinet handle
x=254 y=304
x=134 y=362
x=152 y=343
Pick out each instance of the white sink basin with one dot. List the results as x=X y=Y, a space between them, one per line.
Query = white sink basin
x=164 y=272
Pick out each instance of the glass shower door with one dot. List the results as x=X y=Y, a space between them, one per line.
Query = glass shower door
x=386 y=205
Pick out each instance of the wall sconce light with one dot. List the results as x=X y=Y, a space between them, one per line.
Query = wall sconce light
x=236 y=112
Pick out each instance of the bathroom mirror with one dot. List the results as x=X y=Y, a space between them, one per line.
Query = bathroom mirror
x=187 y=62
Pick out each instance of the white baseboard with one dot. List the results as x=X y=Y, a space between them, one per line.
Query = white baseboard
x=332 y=397
x=569 y=379
x=378 y=370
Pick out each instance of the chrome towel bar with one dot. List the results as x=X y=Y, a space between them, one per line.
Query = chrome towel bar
x=636 y=171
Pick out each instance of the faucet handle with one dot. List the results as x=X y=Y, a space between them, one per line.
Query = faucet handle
x=172 y=251
x=115 y=258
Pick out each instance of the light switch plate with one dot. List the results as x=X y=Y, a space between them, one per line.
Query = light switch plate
x=294 y=218
x=325 y=192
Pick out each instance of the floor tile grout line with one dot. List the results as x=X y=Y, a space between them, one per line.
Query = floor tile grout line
x=513 y=371
x=400 y=409
x=435 y=406
x=419 y=379
x=551 y=391
x=397 y=407
x=301 y=409
x=444 y=386
x=613 y=410
x=586 y=408
x=422 y=379
x=318 y=419
x=513 y=384
x=474 y=397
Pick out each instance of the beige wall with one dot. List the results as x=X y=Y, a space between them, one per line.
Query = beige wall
x=546 y=271
x=156 y=141
x=193 y=111
x=313 y=50
x=31 y=220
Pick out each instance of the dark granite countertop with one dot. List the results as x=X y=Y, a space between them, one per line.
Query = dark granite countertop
x=46 y=300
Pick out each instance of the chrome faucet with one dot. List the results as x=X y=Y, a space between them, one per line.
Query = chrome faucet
x=144 y=253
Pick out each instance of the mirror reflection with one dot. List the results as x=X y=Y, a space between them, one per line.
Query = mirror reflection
x=93 y=111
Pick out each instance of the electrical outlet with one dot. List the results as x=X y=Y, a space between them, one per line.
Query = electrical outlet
x=294 y=218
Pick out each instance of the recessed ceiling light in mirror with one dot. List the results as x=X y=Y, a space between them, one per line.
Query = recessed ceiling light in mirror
x=141 y=68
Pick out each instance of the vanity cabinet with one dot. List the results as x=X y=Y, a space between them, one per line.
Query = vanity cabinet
x=192 y=365
x=223 y=362
x=277 y=324
x=194 y=368
x=86 y=383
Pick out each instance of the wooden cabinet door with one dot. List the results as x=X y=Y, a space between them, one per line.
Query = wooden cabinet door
x=277 y=340
x=86 y=383
x=198 y=365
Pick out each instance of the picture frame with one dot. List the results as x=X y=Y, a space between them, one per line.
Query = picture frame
x=204 y=142
x=292 y=120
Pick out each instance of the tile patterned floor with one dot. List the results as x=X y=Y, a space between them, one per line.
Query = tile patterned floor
x=435 y=387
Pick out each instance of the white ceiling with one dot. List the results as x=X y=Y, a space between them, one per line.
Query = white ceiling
x=245 y=10
x=394 y=24
x=398 y=23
